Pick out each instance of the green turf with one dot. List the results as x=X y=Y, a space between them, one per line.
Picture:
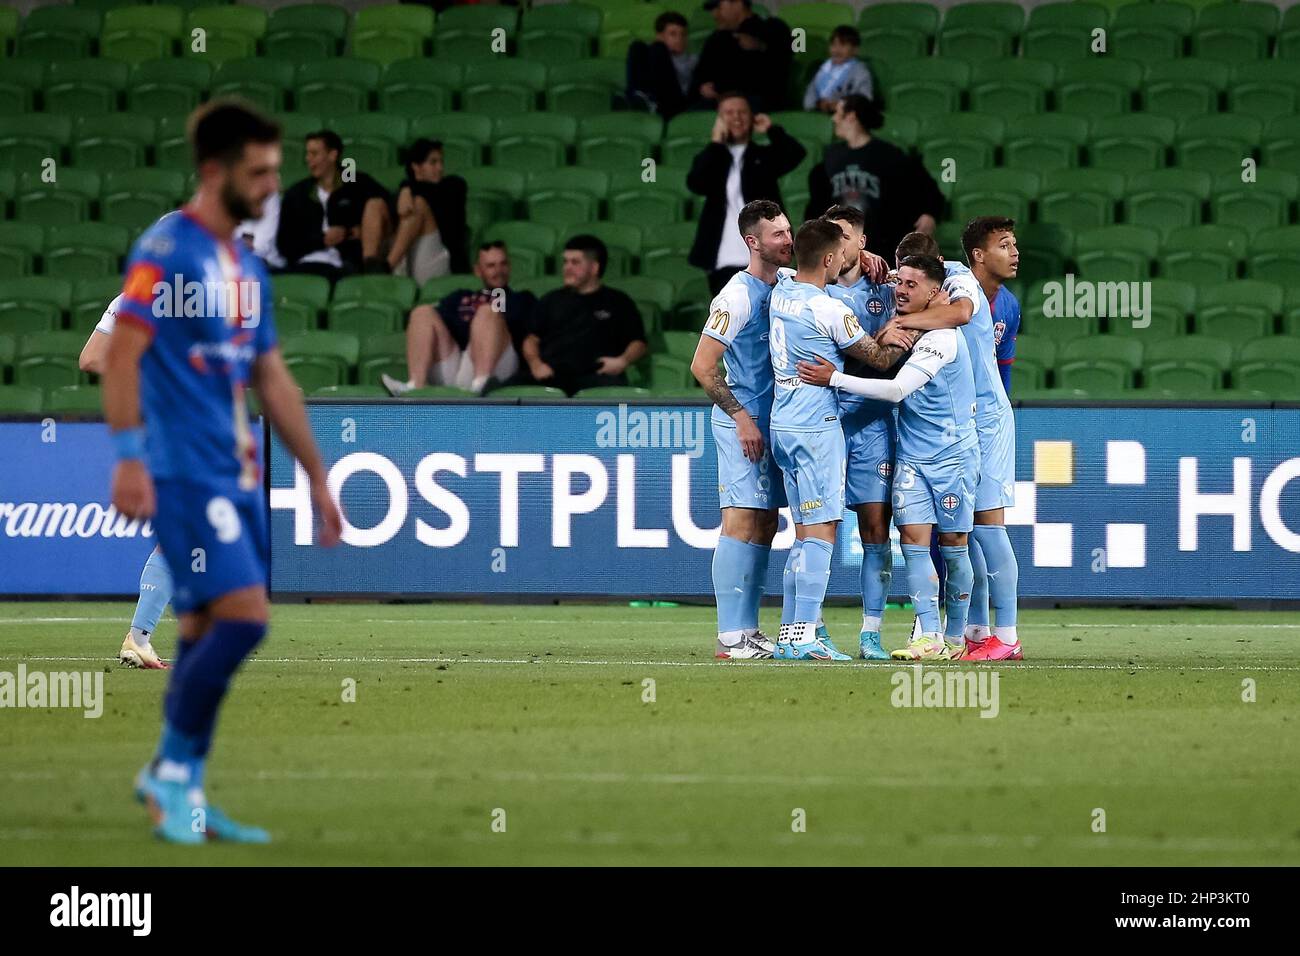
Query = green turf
x=538 y=711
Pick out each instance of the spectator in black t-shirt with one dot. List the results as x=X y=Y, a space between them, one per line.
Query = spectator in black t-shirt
x=431 y=231
x=473 y=337
x=330 y=225
x=586 y=334
x=893 y=190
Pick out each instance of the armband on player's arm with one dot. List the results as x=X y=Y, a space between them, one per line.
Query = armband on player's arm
x=895 y=389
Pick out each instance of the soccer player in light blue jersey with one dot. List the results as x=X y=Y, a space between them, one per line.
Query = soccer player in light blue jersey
x=155 y=580
x=194 y=330
x=994 y=562
x=869 y=431
x=938 y=458
x=750 y=490
x=807 y=438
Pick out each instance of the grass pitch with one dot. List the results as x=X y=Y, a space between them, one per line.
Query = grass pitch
x=534 y=717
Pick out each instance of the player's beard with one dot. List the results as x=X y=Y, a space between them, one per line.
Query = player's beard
x=237 y=206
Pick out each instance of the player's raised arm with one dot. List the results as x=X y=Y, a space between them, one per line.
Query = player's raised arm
x=282 y=404
x=882 y=353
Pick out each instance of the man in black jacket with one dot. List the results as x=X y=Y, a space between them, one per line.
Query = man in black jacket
x=729 y=172
x=891 y=188
x=330 y=224
x=746 y=52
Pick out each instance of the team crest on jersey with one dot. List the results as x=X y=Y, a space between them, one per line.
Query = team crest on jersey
x=999 y=328
x=949 y=502
x=875 y=306
x=885 y=469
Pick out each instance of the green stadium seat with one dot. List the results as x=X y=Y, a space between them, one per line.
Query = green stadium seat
x=561 y=207
x=419 y=86
x=607 y=393
x=1172 y=16
x=1127 y=155
x=33 y=304
x=312 y=291
x=1162 y=210
x=1261 y=296
x=1150 y=43
x=520 y=235
x=385 y=46
x=1056 y=43
x=71 y=20
x=1124 y=351
x=21 y=400
x=922 y=18
x=1094 y=375
x=1007 y=17
x=1191 y=181
x=1084 y=16
x=1214 y=352
x=361 y=317
x=1275 y=378
x=1079 y=198
x=382 y=354
x=49 y=359
x=20 y=244
x=218 y=46
x=527 y=391
x=350 y=391
x=1161 y=323
x=165 y=87
x=1187 y=379
x=74 y=400
x=1229 y=44
x=298 y=46
x=976 y=43
x=416 y=20
x=1261 y=17
x=84 y=87
x=554 y=46
x=1271 y=348
x=399 y=291
x=1203 y=253
x=318 y=359
x=1117 y=252
x=1045 y=141
x=232 y=18
x=262 y=81
x=85 y=250
x=1248 y=208
x=340 y=85
x=133 y=46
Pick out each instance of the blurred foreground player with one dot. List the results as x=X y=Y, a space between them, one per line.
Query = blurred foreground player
x=189 y=367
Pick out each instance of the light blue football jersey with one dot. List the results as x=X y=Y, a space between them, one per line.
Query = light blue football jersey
x=938 y=419
x=873 y=305
x=738 y=319
x=990 y=394
x=805 y=323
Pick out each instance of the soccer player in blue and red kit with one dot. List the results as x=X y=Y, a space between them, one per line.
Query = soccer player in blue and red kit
x=193 y=331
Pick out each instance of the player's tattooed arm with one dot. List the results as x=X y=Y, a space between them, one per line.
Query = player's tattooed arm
x=940 y=313
x=704 y=366
x=882 y=354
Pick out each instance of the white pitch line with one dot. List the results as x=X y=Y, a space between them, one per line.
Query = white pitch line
x=625 y=622
x=746 y=665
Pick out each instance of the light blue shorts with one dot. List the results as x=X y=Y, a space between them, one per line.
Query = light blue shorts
x=812 y=464
x=937 y=492
x=870 y=461
x=997 y=484
x=741 y=482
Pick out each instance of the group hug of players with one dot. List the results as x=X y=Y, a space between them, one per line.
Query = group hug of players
x=848 y=383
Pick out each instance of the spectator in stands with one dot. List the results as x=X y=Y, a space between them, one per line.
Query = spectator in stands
x=731 y=171
x=747 y=53
x=893 y=190
x=659 y=73
x=431 y=231
x=841 y=74
x=333 y=224
x=473 y=336
x=586 y=334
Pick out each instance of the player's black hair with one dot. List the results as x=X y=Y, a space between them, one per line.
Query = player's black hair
x=331 y=139
x=221 y=128
x=931 y=266
x=592 y=248
x=916 y=244
x=847 y=34
x=845 y=213
x=865 y=109
x=418 y=152
x=670 y=19
x=815 y=239
x=979 y=230
x=752 y=213
x=735 y=95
